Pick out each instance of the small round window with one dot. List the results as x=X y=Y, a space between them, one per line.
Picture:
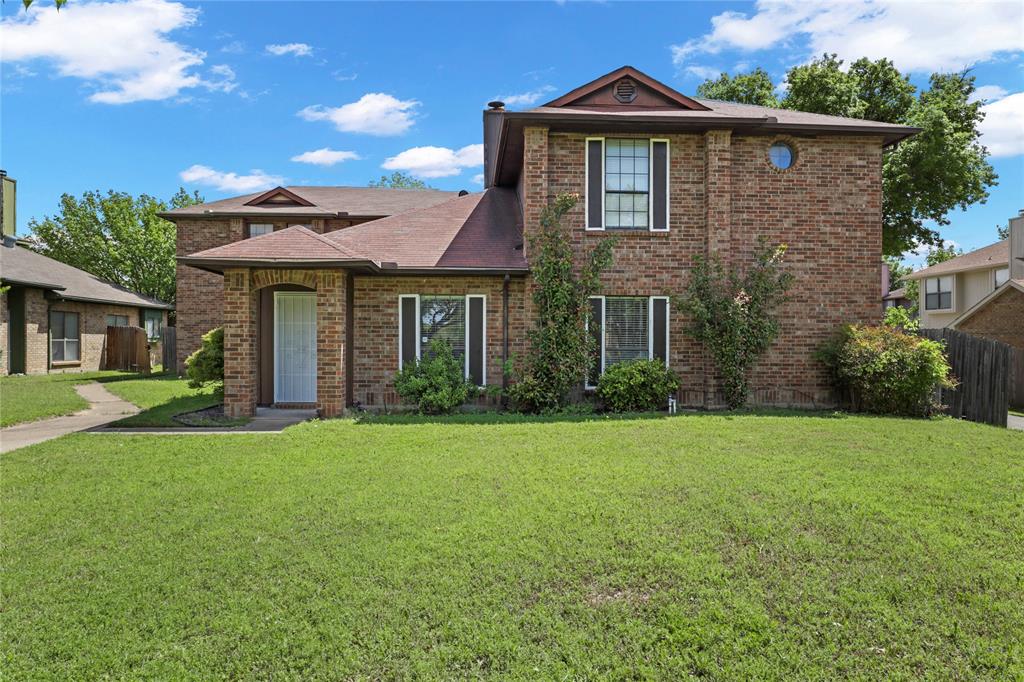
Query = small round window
x=781 y=155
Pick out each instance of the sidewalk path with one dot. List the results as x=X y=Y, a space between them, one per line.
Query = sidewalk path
x=1015 y=422
x=104 y=407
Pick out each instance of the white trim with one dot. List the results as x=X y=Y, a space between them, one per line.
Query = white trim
x=952 y=291
x=650 y=185
x=401 y=360
x=586 y=380
x=650 y=326
x=586 y=185
x=483 y=347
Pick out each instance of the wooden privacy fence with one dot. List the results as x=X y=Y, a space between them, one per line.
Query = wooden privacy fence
x=983 y=369
x=169 y=349
x=127 y=349
x=1017 y=378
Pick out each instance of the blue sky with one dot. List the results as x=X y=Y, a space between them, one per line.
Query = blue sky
x=231 y=97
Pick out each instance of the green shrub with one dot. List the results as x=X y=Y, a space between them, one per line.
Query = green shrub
x=900 y=318
x=533 y=396
x=206 y=365
x=637 y=386
x=435 y=383
x=887 y=371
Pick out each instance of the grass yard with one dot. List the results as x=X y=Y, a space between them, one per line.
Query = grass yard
x=725 y=546
x=40 y=396
x=161 y=398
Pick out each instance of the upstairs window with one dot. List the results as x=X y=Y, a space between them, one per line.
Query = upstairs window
x=1002 y=276
x=260 y=229
x=64 y=342
x=627 y=169
x=938 y=293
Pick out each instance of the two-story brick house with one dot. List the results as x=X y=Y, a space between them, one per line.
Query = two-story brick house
x=322 y=311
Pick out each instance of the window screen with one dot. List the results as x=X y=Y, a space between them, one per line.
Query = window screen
x=64 y=345
x=625 y=330
x=627 y=167
x=444 y=318
x=259 y=229
x=938 y=293
x=117 y=320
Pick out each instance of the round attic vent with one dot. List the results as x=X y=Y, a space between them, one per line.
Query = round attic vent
x=625 y=91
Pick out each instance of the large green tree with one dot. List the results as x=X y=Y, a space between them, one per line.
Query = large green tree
x=399 y=180
x=117 y=237
x=942 y=168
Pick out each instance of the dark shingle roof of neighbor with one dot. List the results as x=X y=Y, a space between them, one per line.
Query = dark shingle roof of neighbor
x=328 y=202
x=19 y=265
x=991 y=256
x=473 y=232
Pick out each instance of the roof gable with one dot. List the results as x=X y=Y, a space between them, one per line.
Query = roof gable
x=626 y=88
x=279 y=196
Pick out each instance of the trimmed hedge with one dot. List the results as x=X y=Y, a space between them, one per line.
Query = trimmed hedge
x=637 y=386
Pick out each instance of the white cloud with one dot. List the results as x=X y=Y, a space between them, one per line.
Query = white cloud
x=296 y=49
x=703 y=72
x=230 y=182
x=1002 y=131
x=525 y=99
x=478 y=179
x=916 y=36
x=121 y=49
x=989 y=93
x=375 y=113
x=325 y=157
x=436 y=162
x=234 y=47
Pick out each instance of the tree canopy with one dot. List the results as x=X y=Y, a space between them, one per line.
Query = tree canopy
x=942 y=168
x=116 y=237
x=399 y=180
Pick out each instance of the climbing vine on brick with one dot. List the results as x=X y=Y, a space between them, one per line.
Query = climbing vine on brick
x=733 y=315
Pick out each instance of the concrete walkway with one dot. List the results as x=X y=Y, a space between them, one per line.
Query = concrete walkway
x=1015 y=422
x=104 y=408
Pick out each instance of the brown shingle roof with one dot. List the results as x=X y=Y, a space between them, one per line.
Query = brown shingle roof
x=473 y=232
x=991 y=256
x=19 y=265
x=326 y=202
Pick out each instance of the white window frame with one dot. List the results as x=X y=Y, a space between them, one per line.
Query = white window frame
x=650 y=331
x=650 y=326
x=650 y=185
x=952 y=297
x=586 y=184
x=252 y=225
x=995 y=277
x=419 y=333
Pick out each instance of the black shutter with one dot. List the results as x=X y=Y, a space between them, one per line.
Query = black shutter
x=475 y=324
x=407 y=309
x=659 y=324
x=597 y=334
x=659 y=184
x=595 y=184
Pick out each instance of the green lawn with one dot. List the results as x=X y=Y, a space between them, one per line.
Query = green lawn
x=723 y=546
x=161 y=398
x=40 y=396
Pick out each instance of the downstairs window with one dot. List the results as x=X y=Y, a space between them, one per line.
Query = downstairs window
x=459 y=320
x=627 y=328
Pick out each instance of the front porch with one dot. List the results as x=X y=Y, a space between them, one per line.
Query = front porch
x=286 y=338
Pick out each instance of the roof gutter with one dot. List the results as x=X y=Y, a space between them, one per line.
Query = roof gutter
x=219 y=265
x=128 y=304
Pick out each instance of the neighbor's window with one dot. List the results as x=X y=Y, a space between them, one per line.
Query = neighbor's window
x=1002 y=276
x=117 y=320
x=154 y=322
x=781 y=155
x=627 y=168
x=938 y=293
x=259 y=229
x=64 y=344
x=627 y=328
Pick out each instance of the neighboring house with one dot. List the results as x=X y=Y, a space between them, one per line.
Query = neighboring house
x=54 y=317
x=897 y=298
x=950 y=290
x=316 y=311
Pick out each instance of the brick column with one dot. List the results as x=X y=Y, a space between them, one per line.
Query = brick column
x=718 y=222
x=536 y=191
x=239 y=344
x=330 y=342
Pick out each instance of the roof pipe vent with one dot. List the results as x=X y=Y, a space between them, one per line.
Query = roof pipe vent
x=463 y=192
x=497 y=105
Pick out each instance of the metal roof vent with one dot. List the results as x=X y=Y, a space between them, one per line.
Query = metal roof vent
x=625 y=91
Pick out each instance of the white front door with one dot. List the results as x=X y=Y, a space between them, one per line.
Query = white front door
x=294 y=347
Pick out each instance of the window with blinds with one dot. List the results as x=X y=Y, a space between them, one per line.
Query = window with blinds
x=625 y=329
x=443 y=318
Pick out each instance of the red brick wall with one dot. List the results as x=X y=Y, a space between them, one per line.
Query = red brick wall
x=376 y=327
x=1001 y=320
x=827 y=208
